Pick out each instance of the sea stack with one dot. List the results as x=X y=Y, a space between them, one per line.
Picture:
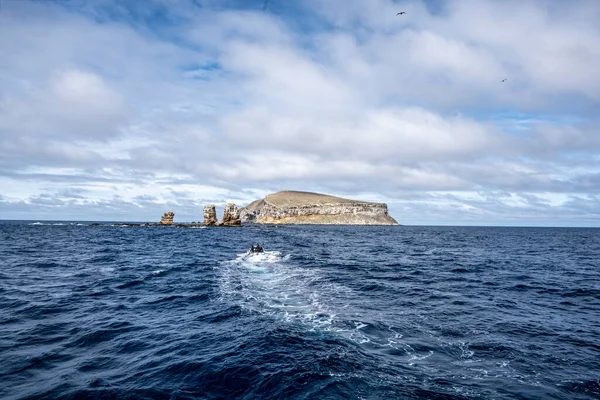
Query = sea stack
x=210 y=215
x=167 y=218
x=231 y=216
x=292 y=207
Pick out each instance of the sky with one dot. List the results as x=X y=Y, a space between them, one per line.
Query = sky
x=458 y=112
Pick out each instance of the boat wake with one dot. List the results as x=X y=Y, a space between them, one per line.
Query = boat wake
x=271 y=284
x=263 y=257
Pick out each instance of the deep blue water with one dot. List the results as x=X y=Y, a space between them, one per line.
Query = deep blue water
x=326 y=313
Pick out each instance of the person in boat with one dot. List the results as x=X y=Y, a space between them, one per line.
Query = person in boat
x=259 y=248
x=251 y=249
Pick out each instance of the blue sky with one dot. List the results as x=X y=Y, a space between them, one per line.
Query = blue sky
x=113 y=110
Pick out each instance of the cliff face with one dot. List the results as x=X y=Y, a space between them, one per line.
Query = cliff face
x=231 y=216
x=210 y=215
x=167 y=218
x=290 y=207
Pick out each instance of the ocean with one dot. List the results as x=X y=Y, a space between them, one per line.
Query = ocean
x=327 y=312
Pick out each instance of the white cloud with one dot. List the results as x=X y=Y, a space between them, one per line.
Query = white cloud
x=80 y=102
x=410 y=134
x=345 y=97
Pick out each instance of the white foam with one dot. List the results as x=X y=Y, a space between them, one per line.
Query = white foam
x=267 y=283
x=270 y=284
x=360 y=325
x=264 y=257
x=415 y=357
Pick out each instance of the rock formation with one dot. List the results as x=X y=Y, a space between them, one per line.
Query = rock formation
x=291 y=207
x=167 y=218
x=231 y=216
x=210 y=215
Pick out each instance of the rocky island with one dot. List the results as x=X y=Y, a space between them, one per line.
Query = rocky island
x=231 y=216
x=292 y=207
x=167 y=218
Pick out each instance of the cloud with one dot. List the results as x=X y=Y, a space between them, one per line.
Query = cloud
x=212 y=101
x=408 y=134
x=546 y=49
x=81 y=104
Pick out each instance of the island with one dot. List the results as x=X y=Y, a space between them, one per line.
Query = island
x=293 y=207
x=231 y=216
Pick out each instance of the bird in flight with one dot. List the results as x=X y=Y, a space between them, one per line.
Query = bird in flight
x=503 y=79
x=400 y=13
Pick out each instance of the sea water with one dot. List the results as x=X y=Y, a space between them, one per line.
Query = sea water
x=326 y=312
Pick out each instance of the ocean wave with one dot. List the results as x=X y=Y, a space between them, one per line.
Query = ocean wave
x=418 y=312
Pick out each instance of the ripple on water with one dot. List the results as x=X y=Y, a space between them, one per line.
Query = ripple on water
x=326 y=312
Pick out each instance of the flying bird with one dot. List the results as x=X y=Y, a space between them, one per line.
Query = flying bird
x=400 y=13
x=503 y=80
